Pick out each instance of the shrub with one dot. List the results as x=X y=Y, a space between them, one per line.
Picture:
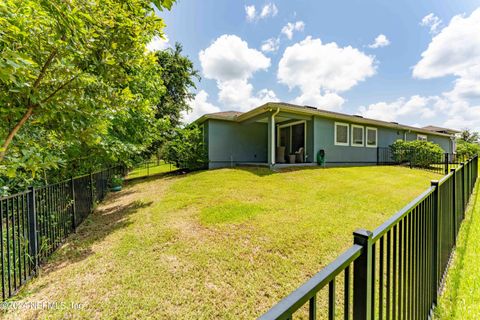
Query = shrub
x=417 y=153
x=186 y=148
x=466 y=150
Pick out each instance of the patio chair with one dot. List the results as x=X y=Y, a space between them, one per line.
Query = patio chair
x=299 y=155
x=280 y=156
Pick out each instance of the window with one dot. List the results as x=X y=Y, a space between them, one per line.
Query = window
x=357 y=136
x=371 y=137
x=421 y=137
x=341 y=134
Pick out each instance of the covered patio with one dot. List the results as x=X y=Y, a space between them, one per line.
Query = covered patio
x=290 y=138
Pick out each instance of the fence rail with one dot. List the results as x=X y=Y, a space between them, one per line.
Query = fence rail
x=34 y=223
x=437 y=163
x=399 y=268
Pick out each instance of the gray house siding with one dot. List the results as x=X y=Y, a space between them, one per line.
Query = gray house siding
x=351 y=155
x=336 y=155
x=444 y=142
x=230 y=143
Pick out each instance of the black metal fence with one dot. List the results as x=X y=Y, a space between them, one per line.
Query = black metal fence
x=151 y=168
x=34 y=223
x=437 y=163
x=399 y=268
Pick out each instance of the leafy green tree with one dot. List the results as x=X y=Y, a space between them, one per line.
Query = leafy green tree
x=76 y=81
x=470 y=136
x=186 y=148
x=178 y=74
x=466 y=150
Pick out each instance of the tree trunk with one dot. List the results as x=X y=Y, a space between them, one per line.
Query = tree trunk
x=14 y=131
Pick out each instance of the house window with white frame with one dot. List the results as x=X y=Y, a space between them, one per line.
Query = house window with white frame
x=341 y=134
x=421 y=137
x=357 y=136
x=371 y=137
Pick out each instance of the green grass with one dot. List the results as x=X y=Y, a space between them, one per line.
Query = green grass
x=461 y=298
x=153 y=169
x=226 y=243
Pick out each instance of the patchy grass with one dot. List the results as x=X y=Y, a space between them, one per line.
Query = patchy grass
x=152 y=169
x=461 y=298
x=225 y=243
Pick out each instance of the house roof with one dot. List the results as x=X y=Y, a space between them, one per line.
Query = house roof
x=308 y=110
x=224 y=115
x=441 y=130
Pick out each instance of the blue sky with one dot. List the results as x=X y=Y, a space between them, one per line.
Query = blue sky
x=326 y=56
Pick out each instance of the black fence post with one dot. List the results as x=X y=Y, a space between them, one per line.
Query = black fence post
x=462 y=166
x=72 y=189
x=92 y=195
x=32 y=230
x=446 y=162
x=436 y=239
x=454 y=201
x=378 y=156
x=362 y=276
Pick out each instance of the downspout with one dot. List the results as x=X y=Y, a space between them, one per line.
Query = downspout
x=273 y=136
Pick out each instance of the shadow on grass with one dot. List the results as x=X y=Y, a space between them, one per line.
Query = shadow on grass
x=110 y=217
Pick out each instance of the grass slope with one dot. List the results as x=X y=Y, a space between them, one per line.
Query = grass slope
x=152 y=169
x=224 y=243
x=461 y=298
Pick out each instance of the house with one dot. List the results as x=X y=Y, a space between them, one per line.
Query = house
x=269 y=134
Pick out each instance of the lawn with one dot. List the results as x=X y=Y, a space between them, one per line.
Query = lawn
x=461 y=298
x=149 y=169
x=225 y=243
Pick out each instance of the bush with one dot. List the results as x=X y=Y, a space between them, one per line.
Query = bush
x=186 y=148
x=466 y=150
x=417 y=153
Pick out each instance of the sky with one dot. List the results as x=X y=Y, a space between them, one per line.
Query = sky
x=413 y=62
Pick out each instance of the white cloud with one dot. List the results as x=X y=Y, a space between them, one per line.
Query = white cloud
x=158 y=43
x=230 y=58
x=431 y=21
x=455 y=51
x=328 y=101
x=268 y=10
x=230 y=62
x=290 y=27
x=380 y=41
x=413 y=108
x=270 y=45
x=199 y=106
x=250 y=12
x=321 y=71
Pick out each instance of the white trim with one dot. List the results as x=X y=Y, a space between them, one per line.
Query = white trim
x=356 y=126
x=423 y=136
x=366 y=137
x=343 y=124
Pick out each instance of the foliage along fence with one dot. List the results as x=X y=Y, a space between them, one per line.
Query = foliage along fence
x=440 y=163
x=150 y=168
x=35 y=222
x=398 y=269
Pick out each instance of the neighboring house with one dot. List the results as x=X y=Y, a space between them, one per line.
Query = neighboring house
x=270 y=133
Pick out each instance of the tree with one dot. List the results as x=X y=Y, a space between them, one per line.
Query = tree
x=468 y=144
x=470 y=136
x=178 y=76
x=74 y=78
x=186 y=148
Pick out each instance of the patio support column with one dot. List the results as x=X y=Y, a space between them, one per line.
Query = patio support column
x=271 y=142
x=271 y=138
